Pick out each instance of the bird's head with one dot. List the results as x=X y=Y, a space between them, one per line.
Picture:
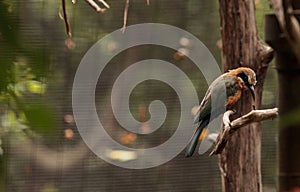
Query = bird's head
x=247 y=77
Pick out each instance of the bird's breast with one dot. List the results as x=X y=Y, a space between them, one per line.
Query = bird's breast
x=231 y=100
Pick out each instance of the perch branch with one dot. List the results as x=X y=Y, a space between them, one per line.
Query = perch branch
x=230 y=127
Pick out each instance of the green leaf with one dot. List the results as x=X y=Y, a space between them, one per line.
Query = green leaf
x=35 y=87
x=40 y=118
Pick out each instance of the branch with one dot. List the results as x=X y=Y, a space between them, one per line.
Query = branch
x=230 y=127
x=266 y=54
x=104 y=3
x=95 y=6
x=125 y=16
x=65 y=17
x=92 y=3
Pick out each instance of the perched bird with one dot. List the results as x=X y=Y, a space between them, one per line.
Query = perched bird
x=228 y=86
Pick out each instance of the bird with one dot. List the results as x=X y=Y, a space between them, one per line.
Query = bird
x=235 y=81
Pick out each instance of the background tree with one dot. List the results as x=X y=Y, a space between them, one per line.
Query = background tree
x=283 y=34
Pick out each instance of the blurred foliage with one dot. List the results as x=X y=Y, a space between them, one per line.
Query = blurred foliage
x=22 y=78
x=8 y=42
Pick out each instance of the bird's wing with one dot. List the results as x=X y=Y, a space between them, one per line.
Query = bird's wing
x=204 y=108
x=220 y=89
x=194 y=141
x=232 y=85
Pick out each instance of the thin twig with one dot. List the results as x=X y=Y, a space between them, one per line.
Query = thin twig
x=125 y=15
x=104 y=3
x=95 y=6
x=68 y=29
x=230 y=127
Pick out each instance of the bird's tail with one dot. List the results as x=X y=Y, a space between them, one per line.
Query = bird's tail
x=194 y=141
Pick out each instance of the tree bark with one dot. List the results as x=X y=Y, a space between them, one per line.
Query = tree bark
x=240 y=160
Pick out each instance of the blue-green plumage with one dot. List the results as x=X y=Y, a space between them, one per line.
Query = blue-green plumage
x=195 y=138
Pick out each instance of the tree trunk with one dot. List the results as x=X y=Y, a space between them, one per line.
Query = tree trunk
x=288 y=67
x=240 y=160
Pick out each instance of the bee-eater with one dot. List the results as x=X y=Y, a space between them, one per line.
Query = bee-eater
x=235 y=82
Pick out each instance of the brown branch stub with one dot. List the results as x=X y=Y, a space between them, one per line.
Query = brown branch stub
x=230 y=127
x=265 y=54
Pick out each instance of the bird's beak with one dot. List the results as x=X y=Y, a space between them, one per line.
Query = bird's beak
x=251 y=88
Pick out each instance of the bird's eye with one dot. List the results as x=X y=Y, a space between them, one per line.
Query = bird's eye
x=243 y=76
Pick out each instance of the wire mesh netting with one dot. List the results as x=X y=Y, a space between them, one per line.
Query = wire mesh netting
x=43 y=150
